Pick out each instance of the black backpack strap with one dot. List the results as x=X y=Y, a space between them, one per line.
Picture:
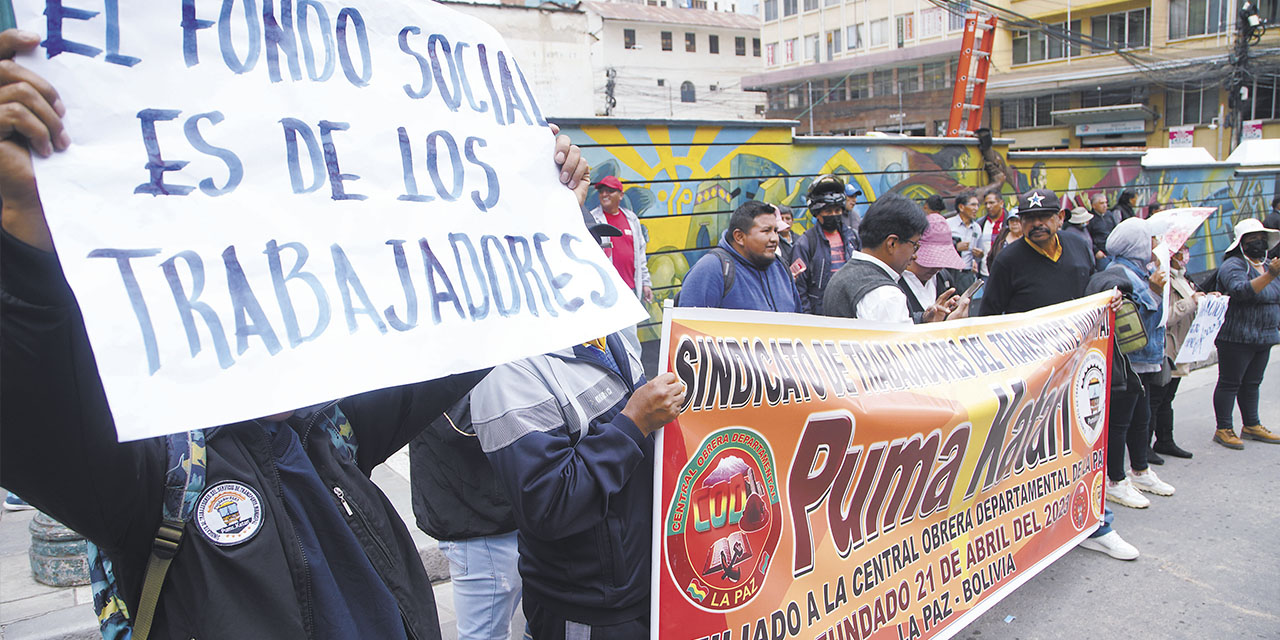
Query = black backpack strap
x=727 y=270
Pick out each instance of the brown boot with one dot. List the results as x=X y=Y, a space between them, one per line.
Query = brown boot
x=1259 y=433
x=1228 y=439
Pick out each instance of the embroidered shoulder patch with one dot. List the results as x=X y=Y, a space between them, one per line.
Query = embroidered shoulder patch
x=229 y=513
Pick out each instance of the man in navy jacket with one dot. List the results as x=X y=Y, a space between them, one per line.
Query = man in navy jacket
x=743 y=272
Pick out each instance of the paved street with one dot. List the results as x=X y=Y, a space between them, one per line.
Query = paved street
x=1208 y=569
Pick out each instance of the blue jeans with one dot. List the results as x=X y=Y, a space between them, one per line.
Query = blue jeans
x=486 y=584
x=1104 y=527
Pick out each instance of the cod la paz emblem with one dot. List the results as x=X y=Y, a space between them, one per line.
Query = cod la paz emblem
x=1035 y=200
x=724 y=522
x=229 y=513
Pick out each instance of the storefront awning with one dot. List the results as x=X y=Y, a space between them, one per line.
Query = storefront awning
x=1095 y=115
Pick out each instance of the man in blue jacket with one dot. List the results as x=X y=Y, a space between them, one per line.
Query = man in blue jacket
x=569 y=437
x=743 y=272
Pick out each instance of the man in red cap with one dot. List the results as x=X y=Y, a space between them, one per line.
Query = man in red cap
x=627 y=251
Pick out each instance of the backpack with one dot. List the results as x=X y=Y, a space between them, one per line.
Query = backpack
x=727 y=272
x=183 y=484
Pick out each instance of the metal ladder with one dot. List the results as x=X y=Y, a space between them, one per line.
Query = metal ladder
x=970 y=90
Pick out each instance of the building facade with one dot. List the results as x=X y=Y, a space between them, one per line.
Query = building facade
x=664 y=62
x=1132 y=73
x=856 y=66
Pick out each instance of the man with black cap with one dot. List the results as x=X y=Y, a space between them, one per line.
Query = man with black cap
x=825 y=247
x=1044 y=267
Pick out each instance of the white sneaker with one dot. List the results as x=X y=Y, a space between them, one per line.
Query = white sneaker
x=1113 y=545
x=1151 y=483
x=1123 y=493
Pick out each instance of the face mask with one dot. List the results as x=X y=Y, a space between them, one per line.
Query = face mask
x=1256 y=249
x=829 y=223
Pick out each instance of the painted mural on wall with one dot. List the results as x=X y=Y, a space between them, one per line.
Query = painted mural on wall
x=685 y=180
x=1237 y=196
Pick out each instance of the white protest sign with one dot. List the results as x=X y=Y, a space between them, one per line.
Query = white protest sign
x=1204 y=328
x=270 y=204
x=1173 y=227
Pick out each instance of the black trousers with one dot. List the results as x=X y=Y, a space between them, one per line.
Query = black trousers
x=1162 y=409
x=1127 y=429
x=545 y=624
x=1240 y=370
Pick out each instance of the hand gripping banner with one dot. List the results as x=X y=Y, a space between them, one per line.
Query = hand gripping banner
x=843 y=480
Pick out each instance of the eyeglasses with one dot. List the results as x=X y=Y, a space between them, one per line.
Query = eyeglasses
x=915 y=245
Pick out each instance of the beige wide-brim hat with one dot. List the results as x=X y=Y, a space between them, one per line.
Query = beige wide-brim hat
x=1253 y=225
x=1080 y=216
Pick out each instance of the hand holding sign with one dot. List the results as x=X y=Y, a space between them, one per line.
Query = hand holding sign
x=30 y=118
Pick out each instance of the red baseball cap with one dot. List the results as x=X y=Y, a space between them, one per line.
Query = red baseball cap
x=611 y=182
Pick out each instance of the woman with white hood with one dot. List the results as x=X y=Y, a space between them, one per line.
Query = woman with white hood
x=1130 y=245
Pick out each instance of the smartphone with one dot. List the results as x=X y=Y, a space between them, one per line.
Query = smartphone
x=973 y=288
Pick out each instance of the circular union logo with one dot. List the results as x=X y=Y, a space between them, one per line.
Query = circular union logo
x=724 y=521
x=1089 y=395
x=1098 y=495
x=1080 y=507
x=229 y=513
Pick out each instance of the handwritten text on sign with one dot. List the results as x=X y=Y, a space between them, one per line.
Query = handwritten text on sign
x=1204 y=328
x=275 y=203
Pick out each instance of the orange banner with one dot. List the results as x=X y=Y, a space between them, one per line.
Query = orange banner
x=842 y=480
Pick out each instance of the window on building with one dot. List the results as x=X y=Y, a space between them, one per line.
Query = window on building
x=906 y=28
x=698 y=4
x=811 y=50
x=830 y=3
x=1189 y=18
x=770 y=10
x=777 y=98
x=795 y=98
x=687 y=92
x=740 y=47
x=853 y=36
x=1190 y=105
x=1122 y=30
x=833 y=44
x=713 y=44
x=882 y=83
x=1025 y=113
x=879 y=32
x=1264 y=96
x=858 y=88
x=935 y=76
x=1113 y=96
x=755 y=47
x=817 y=92
x=629 y=38
x=955 y=17
x=932 y=22
x=1045 y=44
x=771 y=54
x=909 y=79
x=789 y=7
x=810 y=5
x=838 y=91
x=790 y=47
x=666 y=40
x=662 y=82
x=690 y=42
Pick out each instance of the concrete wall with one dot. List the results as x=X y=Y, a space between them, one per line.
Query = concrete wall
x=638 y=71
x=552 y=46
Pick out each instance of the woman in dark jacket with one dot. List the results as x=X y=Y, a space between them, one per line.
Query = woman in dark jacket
x=1251 y=327
x=1124 y=204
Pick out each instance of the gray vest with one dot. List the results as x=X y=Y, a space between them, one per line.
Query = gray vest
x=851 y=284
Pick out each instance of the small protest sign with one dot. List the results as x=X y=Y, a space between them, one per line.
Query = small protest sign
x=270 y=204
x=1204 y=328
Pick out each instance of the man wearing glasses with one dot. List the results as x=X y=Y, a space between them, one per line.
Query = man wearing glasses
x=866 y=286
